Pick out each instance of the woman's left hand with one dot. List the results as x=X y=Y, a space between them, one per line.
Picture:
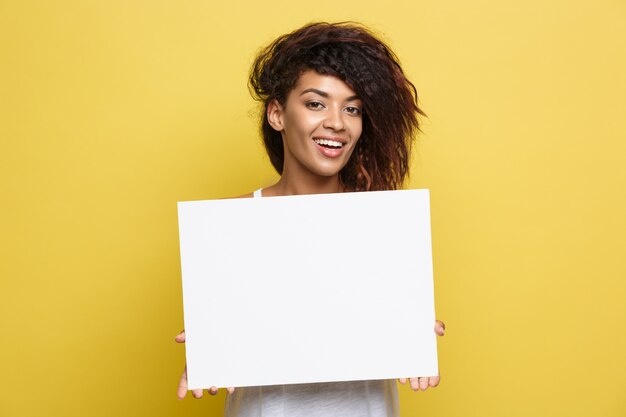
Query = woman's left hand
x=423 y=382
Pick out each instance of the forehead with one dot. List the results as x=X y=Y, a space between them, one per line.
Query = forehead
x=333 y=86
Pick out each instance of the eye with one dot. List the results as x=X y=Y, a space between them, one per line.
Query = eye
x=314 y=105
x=353 y=110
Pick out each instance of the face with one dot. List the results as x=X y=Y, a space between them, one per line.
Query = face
x=320 y=123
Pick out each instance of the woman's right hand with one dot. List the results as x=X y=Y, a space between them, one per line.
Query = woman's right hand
x=182 y=384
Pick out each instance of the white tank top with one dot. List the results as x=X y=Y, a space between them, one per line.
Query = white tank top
x=328 y=399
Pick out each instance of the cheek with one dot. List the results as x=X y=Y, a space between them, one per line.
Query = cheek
x=357 y=129
x=301 y=124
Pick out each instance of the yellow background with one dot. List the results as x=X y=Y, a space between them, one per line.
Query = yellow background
x=112 y=111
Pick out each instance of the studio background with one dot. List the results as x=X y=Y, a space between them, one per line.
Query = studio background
x=111 y=112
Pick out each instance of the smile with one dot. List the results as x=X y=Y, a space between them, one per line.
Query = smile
x=330 y=148
x=329 y=143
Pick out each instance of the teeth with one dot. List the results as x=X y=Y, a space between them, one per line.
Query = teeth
x=328 y=142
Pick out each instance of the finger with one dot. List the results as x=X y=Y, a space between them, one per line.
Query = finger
x=180 y=337
x=213 y=390
x=433 y=381
x=197 y=393
x=424 y=383
x=182 y=385
x=415 y=384
x=230 y=390
x=402 y=380
x=440 y=327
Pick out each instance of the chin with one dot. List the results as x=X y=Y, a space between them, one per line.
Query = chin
x=328 y=170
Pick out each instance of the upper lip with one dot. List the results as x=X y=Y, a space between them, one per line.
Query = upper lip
x=336 y=139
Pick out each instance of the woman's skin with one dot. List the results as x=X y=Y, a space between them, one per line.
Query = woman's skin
x=320 y=124
x=319 y=107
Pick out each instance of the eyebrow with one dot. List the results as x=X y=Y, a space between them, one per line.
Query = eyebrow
x=325 y=94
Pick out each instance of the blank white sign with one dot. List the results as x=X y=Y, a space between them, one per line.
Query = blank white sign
x=310 y=288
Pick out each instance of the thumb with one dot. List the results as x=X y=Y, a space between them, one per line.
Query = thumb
x=440 y=328
x=180 y=337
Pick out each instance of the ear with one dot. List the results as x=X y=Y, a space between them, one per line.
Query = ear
x=275 y=115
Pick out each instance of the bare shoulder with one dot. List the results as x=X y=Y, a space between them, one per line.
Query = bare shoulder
x=267 y=192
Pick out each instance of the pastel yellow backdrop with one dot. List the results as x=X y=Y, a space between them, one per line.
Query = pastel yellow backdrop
x=111 y=112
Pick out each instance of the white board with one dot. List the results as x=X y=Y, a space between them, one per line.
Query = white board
x=311 y=288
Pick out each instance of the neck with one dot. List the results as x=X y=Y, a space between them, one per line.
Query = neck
x=305 y=184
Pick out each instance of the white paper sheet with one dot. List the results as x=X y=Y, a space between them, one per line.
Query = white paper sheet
x=312 y=288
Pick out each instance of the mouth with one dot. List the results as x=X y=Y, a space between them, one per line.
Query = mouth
x=329 y=143
x=330 y=147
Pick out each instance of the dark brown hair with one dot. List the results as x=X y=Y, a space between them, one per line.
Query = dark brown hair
x=352 y=53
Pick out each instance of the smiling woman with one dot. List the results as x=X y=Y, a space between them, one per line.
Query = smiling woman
x=321 y=123
x=366 y=69
x=339 y=115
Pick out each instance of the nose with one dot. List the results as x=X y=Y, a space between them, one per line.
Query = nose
x=334 y=119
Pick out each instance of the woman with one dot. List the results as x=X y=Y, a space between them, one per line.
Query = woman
x=339 y=115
